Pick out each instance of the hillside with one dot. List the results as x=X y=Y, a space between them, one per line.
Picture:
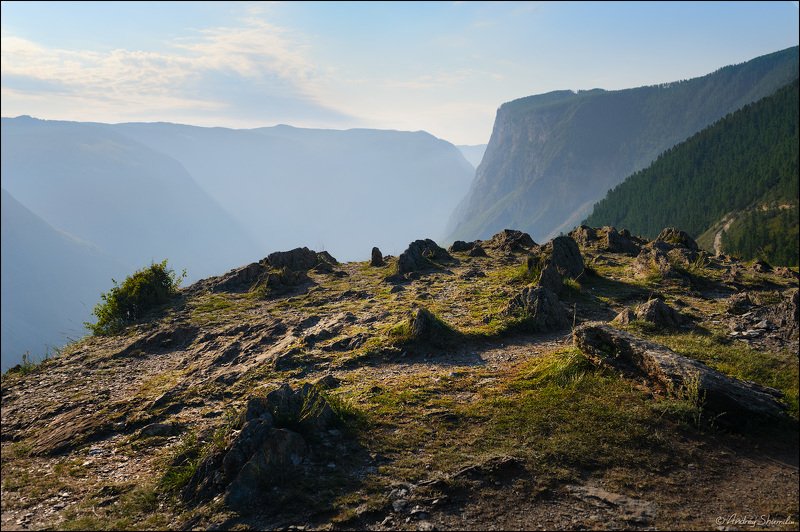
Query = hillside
x=133 y=202
x=50 y=283
x=552 y=156
x=456 y=389
x=746 y=160
x=317 y=188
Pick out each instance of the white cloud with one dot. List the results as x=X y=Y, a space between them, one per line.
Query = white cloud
x=132 y=83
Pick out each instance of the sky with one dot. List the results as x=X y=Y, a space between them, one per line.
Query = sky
x=442 y=67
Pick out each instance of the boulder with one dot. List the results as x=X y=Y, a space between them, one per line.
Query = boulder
x=477 y=251
x=564 y=254
x=653 y=260
x=624 y=317
x=269 y=451
x=677 y=238
x=584 y=235
x=424 y=326
x=511 y=241
x=298 y=259
x=421 y=255
x=460 y=246
x=551 y=279
x=620 y=242
x=377 y=258
x=541 y=309
x=657 y=312
x=739 y=303
x=239 y=279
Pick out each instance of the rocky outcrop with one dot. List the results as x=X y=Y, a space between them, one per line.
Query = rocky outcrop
x=563 y=253
x=511 y=241
x=732 y=398
x=540 y=308
x=659 y=313
x=271 y=449
x=473 y=249
x=677 y=238
x=377 y=258
x=299 y=259
x=421 y=255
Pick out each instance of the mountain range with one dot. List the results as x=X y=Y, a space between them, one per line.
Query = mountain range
x=206 y=199
x=551 y=157
x=735 y=185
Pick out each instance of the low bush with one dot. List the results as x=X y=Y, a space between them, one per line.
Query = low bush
x=141 y=292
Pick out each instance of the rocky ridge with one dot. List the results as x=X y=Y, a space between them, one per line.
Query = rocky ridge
x=302 y=392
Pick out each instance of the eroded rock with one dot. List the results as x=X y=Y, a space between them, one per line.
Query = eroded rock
x=540 y=308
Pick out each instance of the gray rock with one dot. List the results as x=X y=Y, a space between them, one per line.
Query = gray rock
x=161 y=429
x=276 y=462
x=584 y=235
x=677 y=238
x=739 y=303
x=421 y=255
x=624 y=317
x=620 y=242
x=540 y=307
x=657 y=312
x=377 y=257
x=460 y=246
x=425 y=327
x=477 y=251
x=510 y=240
x=565 y=256
x=551 y=279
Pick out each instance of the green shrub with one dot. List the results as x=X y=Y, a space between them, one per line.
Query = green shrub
x=140 y=293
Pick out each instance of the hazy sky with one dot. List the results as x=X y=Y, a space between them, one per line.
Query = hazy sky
x=443 y=67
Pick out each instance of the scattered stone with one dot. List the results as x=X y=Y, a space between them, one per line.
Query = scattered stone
x=396 y=288
x=620 y=242
x=677 y=238
x=564 y=254
x=426 y=327
x=624 y=317
x=421 y=255
x=541 y=309
x=161 y=429
x=377 y=258
x=511 y=241
x=657 y=312
x=739 y=303
x=631 y=510
x=327 y=382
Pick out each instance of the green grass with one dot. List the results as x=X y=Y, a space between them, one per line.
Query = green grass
x=735 y=359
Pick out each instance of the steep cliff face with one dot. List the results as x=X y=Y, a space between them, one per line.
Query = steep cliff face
x=552 y=156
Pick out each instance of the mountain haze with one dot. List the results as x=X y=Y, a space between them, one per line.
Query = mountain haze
x=135 y=203
x=552 y=156
x=473 y=153
x=344 y=191
x=50 y=283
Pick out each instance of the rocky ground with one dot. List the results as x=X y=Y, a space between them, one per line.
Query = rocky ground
x=436 y=390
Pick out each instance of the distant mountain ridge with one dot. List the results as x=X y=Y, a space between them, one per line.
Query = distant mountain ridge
x=552 y=156
x=206 y=199
x=743 y=169
x=50 y=283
